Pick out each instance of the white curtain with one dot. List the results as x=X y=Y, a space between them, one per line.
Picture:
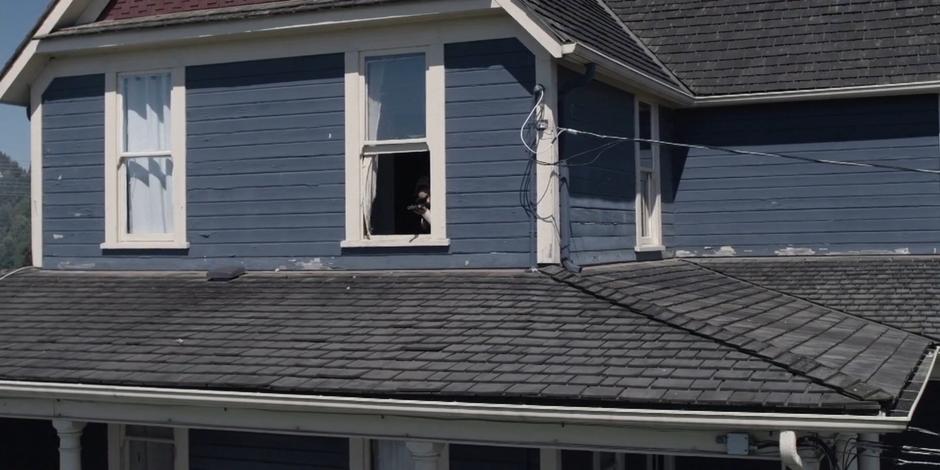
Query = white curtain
x=370 y=183
x=391 y=455
x=375 y=83
x=147 y=130
x=147 y=113
x=149 y=195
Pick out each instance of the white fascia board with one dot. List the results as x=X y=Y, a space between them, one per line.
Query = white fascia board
x=14 y=84
x=276 y=24
x=91 y=399
x=632 y=77
x=534 y=26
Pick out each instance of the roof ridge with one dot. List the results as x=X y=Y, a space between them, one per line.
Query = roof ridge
x=807 y=367
x=644 y=47
x=809 y=301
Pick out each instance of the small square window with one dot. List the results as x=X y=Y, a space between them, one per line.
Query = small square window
x=147 y=447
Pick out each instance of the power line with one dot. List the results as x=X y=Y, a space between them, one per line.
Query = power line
x=884 y=166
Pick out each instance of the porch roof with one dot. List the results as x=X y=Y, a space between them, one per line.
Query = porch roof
x=503 y=337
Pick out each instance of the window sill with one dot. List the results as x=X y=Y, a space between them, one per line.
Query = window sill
x=145 y=246
x=395 y=243
x=647 y=248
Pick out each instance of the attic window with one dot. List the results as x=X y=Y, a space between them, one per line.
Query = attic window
x=397 y=167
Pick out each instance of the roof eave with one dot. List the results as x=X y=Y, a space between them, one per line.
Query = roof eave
x=581 y=53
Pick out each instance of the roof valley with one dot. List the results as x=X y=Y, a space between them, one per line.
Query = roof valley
x=717 y=271
x=800 y=365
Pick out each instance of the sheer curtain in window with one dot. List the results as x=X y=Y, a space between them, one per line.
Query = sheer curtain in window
x=146 y=149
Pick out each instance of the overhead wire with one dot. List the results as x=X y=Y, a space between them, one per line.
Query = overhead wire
x=883 y=166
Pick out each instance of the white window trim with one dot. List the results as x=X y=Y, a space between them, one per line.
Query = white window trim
x=116 y=236
x=357 y=146
x=653 y=242
x=117 y=449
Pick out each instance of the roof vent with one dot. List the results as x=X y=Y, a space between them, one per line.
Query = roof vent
x=225 y=273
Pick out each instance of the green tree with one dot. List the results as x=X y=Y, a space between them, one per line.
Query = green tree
x=14 y=214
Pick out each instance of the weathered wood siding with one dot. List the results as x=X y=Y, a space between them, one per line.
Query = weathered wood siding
x=218 y=450
x=742 y=205
x=73 y=171
x=265 y=167
x=601 y=181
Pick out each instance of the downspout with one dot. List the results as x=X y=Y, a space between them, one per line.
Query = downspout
x=564 y=199
x=789 y=454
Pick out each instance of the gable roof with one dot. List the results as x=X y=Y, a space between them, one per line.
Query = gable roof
x=726 y=47
x=690 y=50
x=512 y=337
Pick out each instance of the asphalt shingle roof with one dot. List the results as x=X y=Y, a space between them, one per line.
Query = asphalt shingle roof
x=747 y=46
x=475 y=336
x=863 y=358
x=903 y=292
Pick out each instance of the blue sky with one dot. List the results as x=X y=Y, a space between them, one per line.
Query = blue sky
x=17 y=18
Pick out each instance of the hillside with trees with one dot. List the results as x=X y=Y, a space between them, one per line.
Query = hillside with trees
x=14 y=214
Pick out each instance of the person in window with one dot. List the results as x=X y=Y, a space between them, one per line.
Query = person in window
x=422 y=205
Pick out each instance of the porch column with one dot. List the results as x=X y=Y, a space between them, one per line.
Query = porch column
x=70 y=444
x=426 y=455
x=869 y=459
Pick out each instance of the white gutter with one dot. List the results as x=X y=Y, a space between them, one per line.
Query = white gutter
x=657 y=419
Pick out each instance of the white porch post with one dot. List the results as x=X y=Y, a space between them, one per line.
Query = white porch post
x=426 y=455
x=70 y=444
x=869 y=459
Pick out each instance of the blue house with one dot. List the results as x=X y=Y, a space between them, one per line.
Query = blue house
x=476 y=234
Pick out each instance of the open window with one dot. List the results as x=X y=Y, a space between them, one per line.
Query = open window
x=648 y=197
x=147 y=448
x=145 y=179
x=395 y=165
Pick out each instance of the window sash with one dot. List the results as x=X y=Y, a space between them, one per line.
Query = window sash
x=161 y=136
x=648 y=223
x=372 y=148
x=373 y=114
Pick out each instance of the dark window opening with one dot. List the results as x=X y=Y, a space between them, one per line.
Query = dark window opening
x=402 y=184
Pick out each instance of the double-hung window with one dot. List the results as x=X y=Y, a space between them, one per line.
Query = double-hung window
x=648 y=198
x=147 y=448
x=395 y=158
x=145 y=205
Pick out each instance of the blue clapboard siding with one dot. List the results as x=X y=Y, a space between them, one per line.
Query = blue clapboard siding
x=489 y=93
x=265 y=167
x=73 y=169
x=464 y=457
x=727 y=204
x=218 y=450
x=601 y=181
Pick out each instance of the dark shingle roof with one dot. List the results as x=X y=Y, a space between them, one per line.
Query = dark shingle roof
x=903 y=292
x=590 y=23
x=517 y=337
x=860 y=357
x=746 y=46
